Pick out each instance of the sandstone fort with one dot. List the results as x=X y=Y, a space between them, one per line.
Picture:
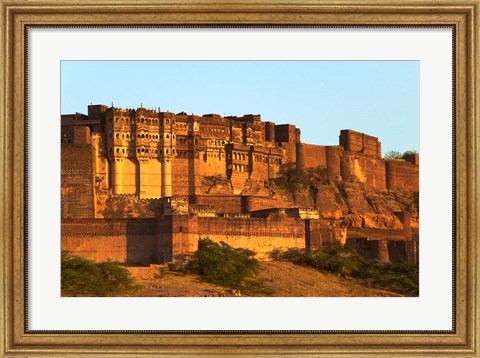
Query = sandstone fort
x=143 y=186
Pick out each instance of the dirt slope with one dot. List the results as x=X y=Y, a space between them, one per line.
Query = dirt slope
x=287 y=279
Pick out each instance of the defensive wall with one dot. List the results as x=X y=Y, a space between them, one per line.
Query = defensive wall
x=162 y=239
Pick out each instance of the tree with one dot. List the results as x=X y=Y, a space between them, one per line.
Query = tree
x=222 y=264
x=82 y=277
x=392 y=154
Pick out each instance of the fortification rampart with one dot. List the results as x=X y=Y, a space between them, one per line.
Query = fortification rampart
x=77 y=179
x=402 y=175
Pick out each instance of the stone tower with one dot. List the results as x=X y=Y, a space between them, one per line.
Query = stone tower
x=167 y=151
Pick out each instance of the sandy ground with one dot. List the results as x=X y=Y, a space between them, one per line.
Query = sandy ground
x=287 y=280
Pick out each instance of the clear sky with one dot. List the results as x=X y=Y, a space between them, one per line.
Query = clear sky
x=380 y=98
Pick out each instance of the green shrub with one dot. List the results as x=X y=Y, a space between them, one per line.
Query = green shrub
x=337 y=259
x=224 y=265
x=82 y=277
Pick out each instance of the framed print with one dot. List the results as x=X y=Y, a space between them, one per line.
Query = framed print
x=268 y=179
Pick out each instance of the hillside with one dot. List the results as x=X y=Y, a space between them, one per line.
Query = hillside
x=286 y=279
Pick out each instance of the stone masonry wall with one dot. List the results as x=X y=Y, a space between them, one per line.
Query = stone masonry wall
x=131 y=241
x=77 y=177
x=402 y=175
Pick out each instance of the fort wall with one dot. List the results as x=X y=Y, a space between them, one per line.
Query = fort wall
x=311 y=156
x=222 y=203
x=77 y=181
x=261 y=235
x=130 y=241
x=402 y=175
x=365 y=169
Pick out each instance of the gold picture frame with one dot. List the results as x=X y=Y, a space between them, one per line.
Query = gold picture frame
x=16 y=16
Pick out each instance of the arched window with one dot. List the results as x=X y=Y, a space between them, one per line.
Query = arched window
x=167 y=121
x=167 y=136
x=123 y=136
x=173 y=151
x=138 y=150
x=123 y=151
x=116 y=120
x=167 y=151
x=128 y=136
x=143 y=135
x=143 y=150
x=243 y=156
x=146 y=150
x=118 y=150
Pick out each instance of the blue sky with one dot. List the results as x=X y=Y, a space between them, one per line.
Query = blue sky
x=380 y=98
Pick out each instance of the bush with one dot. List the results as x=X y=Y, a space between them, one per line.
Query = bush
x=224 y=265
x=399 y=277
x=82 y=277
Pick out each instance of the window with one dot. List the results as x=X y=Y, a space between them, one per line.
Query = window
x=118 y=135
x=167 y=121
x=167 y=136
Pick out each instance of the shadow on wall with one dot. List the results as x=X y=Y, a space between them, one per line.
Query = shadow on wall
x=141 y=242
